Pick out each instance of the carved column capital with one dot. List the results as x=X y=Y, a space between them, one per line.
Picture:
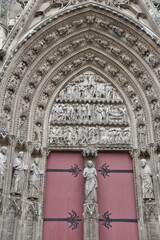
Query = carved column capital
x=150 y=210
x=89 y=152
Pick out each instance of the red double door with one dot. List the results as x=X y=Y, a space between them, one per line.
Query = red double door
x=64 y=197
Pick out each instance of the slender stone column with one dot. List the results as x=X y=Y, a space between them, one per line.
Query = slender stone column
x=90 y=214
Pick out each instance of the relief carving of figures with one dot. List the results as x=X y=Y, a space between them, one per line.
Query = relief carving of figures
x=147 y=184
x=91 y=185
x=18 y=175
x=9 y=97
x=81 y=135
x=38 y=46
x=158 y=168
x=142 y=48
x=4 y=121
x=157 y=128
x=13 y=83
x=44 y=100
x=20 y=69
x=153 y=60
x=38 y=133
x=90 y=100
x=3 y=165
x=92 y=113
x=24 y=107
x=22 y=130
x=142 y=135
x=29 y=91
x=34 y=181
x=28 y=57
x=89 y=89
x=39 y=114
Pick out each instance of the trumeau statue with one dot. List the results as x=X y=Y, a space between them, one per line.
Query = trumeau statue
x=91 y=185
x=3 y=165
x=147 y=185
x=34 y=181
x=18 y=175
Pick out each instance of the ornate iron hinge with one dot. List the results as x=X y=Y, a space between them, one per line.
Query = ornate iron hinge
x=73 y=219
x=107 y=220
x=105 y=171
x=74 y=170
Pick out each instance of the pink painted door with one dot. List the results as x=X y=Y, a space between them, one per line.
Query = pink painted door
x=116 y=195
x=64 y=197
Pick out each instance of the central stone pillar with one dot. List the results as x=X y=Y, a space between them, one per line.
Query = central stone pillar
x=90 y=212
x=90 y=218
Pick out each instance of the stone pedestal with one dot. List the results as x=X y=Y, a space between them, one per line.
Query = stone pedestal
x=151 y=218
x=91 y=221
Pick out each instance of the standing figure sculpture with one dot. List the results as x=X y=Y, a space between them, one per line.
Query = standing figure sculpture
x=147 y=185
x=34 y=182
x=18 y=174
x=91 y=185
x=158 y=168
x=3 y=165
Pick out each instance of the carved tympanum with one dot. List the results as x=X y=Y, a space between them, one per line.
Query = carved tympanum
x=89 y=110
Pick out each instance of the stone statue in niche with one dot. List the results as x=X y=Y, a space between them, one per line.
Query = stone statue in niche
x=38 y=133
x=142 y=135
x=34 y=181
x=158 y=175
x=9 y=97
x=22 y=127
x=158 y=168
x=157 y=129
x=3 y=165
x=5 y=120
x=147 y=185
x=91 y=185
x=18 y=175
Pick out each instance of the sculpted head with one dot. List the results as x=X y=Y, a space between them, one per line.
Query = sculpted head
x=36 y=160
x=90 y=163
x=4 y=150
x=20 y=154
x=143 y=162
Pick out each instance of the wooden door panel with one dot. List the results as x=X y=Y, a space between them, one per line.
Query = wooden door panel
x=64 y=193
x=116 y=195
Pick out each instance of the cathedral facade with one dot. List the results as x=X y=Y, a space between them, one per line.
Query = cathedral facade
x=80 y=120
